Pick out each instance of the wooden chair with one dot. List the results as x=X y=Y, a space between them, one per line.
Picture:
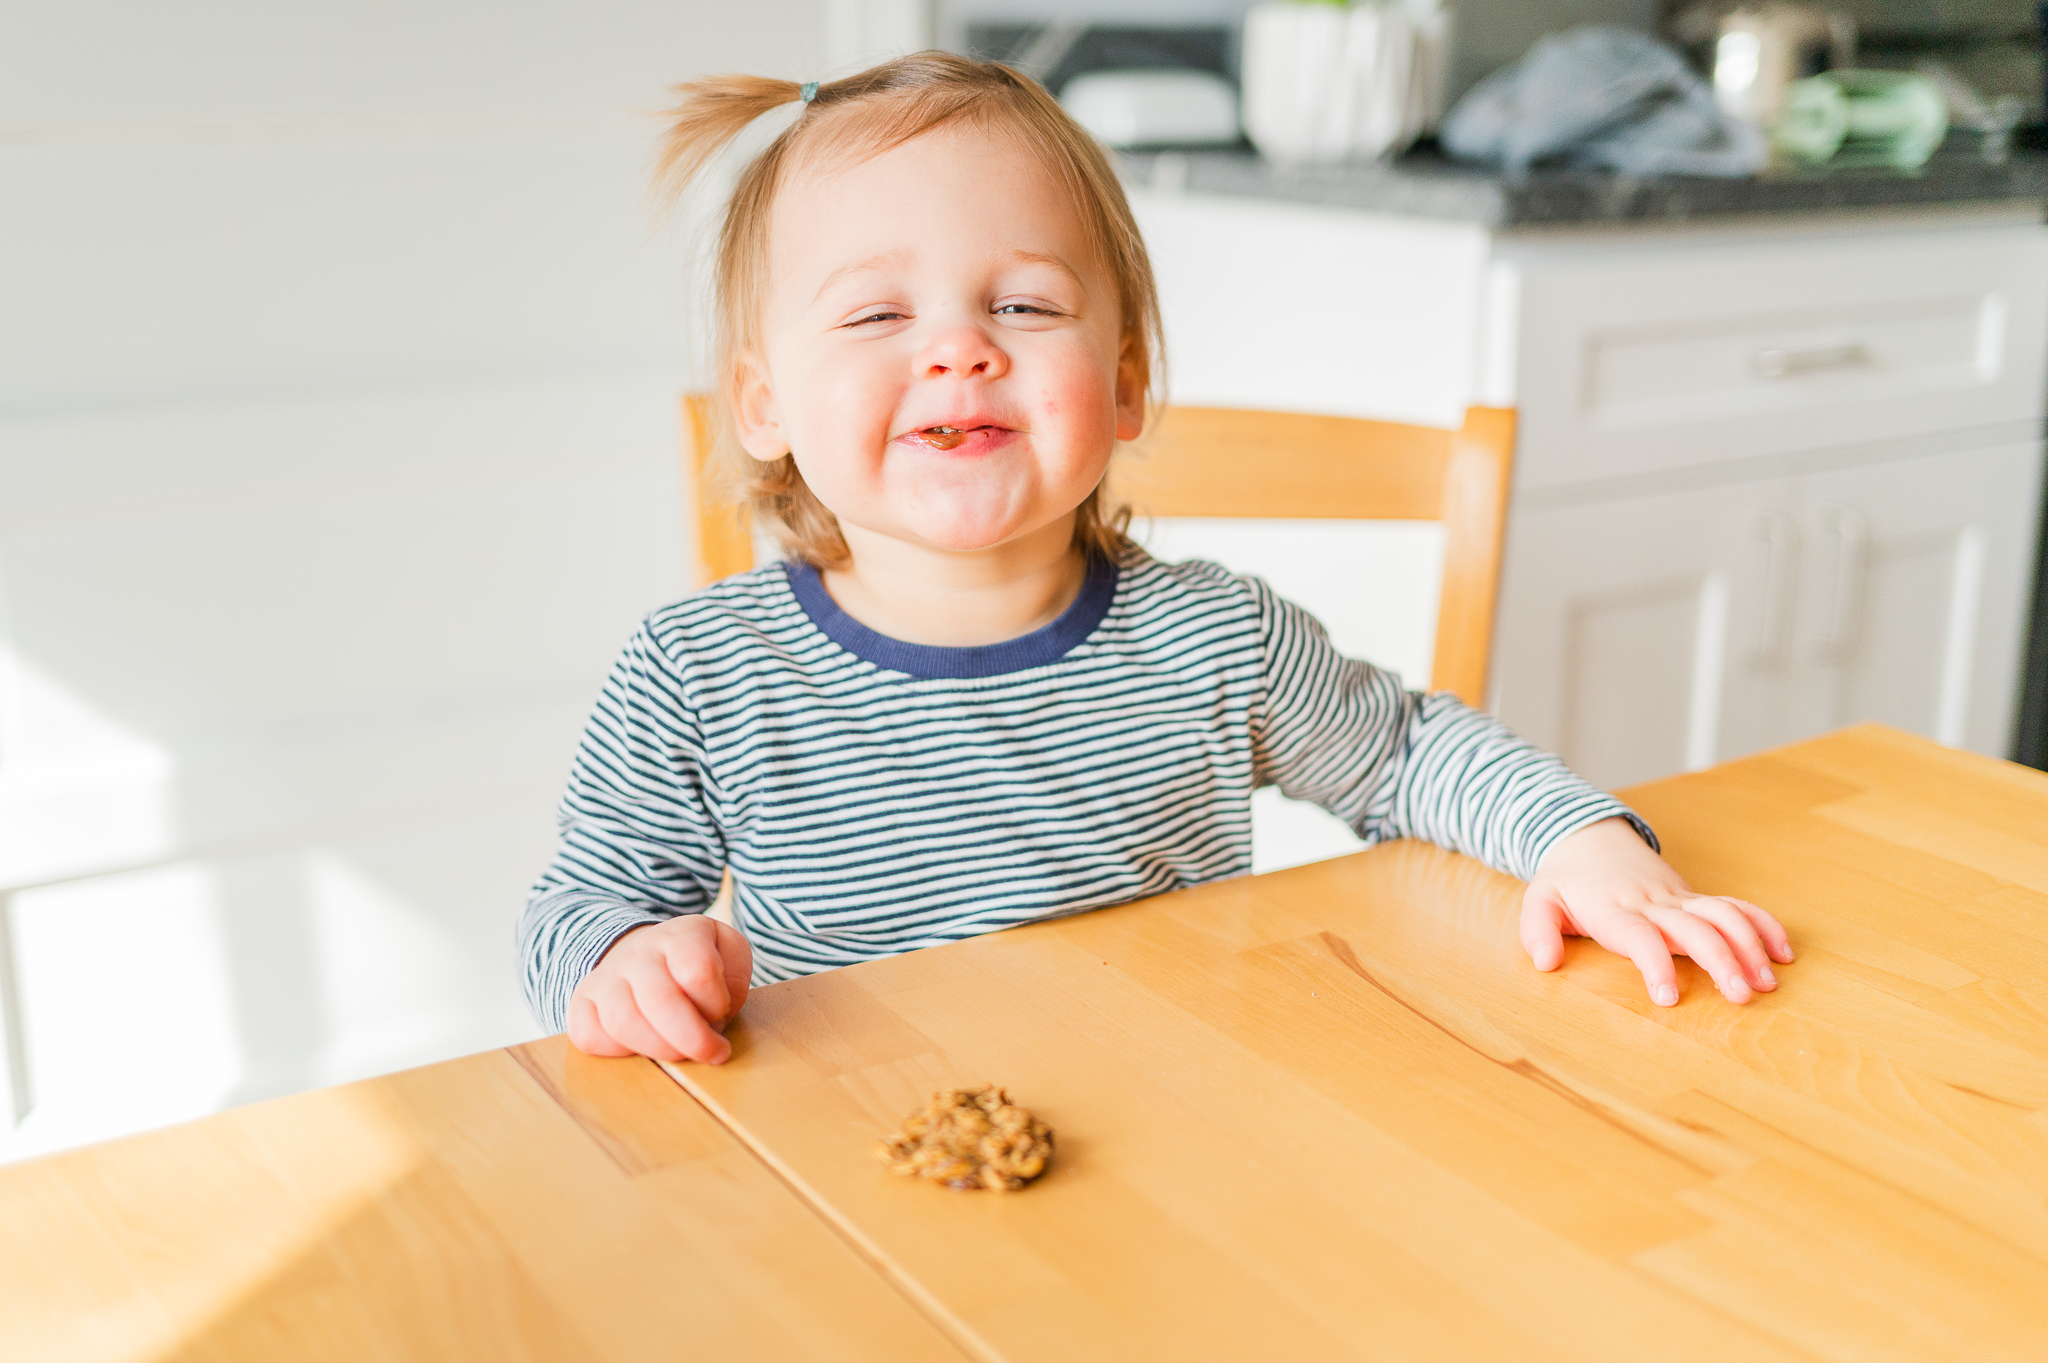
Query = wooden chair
x=1227 y=462
x=724 y=546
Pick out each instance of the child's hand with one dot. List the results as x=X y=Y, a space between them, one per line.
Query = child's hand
x=666 y=991
x=1604 y=882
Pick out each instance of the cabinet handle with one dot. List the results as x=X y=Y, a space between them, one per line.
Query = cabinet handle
x=1786 y=364
x=1780 y=538
x=1852 y=556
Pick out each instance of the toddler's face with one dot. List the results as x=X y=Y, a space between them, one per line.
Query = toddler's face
x=940 y=348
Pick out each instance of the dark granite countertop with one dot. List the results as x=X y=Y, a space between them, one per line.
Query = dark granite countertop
x=1425 y=183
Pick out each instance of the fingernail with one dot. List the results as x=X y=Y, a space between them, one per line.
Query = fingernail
x=1770 y=980
x=1665 y=995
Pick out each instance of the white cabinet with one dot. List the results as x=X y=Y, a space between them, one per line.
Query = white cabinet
x=1646 y=635
x=1771 y=480
x=1912 y=596
x=1772 y=477
x=1628 y=639
x=1650 y=351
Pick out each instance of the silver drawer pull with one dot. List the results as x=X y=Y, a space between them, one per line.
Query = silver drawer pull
x=1784 y=364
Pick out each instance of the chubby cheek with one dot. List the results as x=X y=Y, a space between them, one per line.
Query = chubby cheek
x=841 y=430
x=1075 y=427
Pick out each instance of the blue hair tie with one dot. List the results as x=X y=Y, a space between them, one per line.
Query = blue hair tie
x=809 y=92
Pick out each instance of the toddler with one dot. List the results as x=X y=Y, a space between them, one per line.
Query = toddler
x=966 y=700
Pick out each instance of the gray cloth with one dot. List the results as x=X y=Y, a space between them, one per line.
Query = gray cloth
x=1606 y=98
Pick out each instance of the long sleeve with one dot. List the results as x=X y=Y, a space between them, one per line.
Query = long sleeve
x=638 y=841
x=1393 y=763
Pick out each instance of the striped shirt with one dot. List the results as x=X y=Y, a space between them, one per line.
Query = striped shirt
x=872 y=796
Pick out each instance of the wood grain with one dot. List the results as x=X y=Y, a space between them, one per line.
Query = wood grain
x=1226 y=461
x=1327 y=1113
x=532 y=1204
x=1333 y=1113
x=1474 y=509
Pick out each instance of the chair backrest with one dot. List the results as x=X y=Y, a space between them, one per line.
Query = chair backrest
x=1229 y=462
x=724 y=544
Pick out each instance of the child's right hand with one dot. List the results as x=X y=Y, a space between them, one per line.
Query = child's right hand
x=666 y=991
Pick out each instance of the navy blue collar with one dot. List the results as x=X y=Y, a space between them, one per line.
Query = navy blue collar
x=931 y=662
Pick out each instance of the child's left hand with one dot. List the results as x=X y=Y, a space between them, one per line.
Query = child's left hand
x=1604 y=882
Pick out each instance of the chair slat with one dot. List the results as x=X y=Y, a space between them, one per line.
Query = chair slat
x=723 y=545
x=1220 y=461
x=1475 y=513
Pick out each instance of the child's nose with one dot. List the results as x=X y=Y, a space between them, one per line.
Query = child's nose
x=962 y=352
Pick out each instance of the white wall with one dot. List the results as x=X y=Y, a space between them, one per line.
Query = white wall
x=337 y=457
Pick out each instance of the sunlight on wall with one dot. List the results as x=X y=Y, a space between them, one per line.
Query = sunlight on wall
x=329 y=489
x=127 y=981
x=77 y=790
x=330 y=656
x=403 y=976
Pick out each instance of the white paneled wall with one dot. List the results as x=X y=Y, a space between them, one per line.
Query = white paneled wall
x=289 y=260
x=327 y=679
x=338 y=456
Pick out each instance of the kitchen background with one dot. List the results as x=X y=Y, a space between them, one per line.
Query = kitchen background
x=338 y=454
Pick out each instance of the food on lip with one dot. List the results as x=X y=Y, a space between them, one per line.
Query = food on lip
x=938 y=437
x=970 y=1139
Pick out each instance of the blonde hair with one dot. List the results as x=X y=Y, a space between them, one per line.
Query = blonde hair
x=844 y=122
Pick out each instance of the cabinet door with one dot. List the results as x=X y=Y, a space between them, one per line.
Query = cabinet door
x=1643 y=636
x=1914 y=593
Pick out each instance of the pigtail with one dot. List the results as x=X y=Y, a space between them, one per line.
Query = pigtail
x=708 y=114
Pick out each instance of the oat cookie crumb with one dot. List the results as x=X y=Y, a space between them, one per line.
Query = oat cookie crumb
x=970 y=1139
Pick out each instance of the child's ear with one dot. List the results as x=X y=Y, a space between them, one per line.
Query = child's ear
x=755 y=413
x=1130 y=392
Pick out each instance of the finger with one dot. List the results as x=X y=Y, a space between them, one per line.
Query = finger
x=1543 y=928
x=1741 y=936
x=671 y=1013
x=1639 y=940
x=619 y=1014
x=738 y=955
x=1776 y=939
x=693 y=964
x=1696 y=937
x=587 y=1034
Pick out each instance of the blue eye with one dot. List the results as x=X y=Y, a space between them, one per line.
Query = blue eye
x=876 y=317
x=1026 y=308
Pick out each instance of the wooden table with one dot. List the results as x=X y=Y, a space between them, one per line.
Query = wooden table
x=531 y=1204
x=1328 y=1113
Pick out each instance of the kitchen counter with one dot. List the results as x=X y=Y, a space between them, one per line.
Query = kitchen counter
x=1425 y=183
